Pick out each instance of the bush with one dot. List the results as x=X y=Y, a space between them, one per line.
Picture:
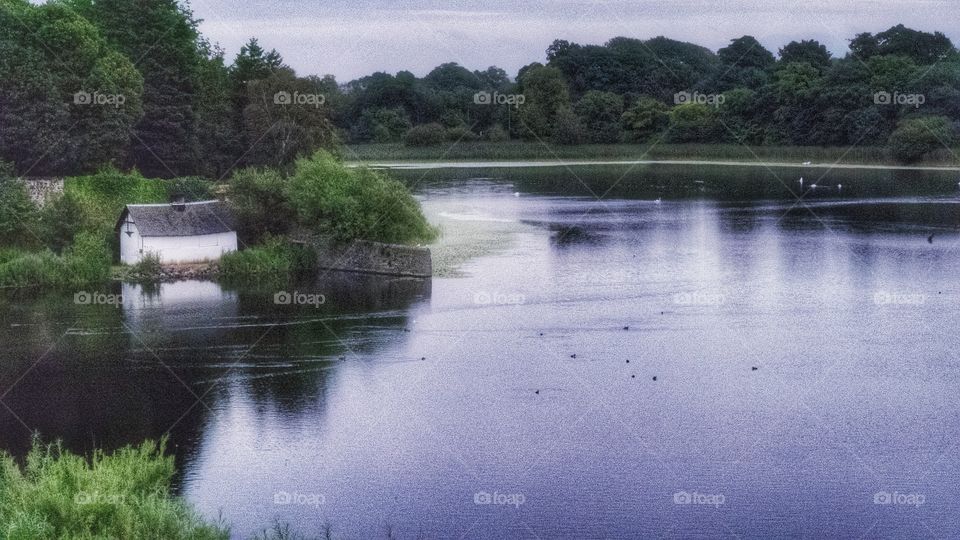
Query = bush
x=260 y=204
x=567 y=128
x=497 y=134
x=425 y=135
x=123 y=495
x=275 y=259
x=86 y=262
x=61 y=219
x=191 y=188
x=104 y=195
x=460 y=134
x=19 y=216
x=349 y=204
x=916 y=137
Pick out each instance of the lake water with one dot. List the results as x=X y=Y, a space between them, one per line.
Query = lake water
x=698 y=355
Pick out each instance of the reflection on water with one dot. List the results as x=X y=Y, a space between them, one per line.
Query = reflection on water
x=611 y=365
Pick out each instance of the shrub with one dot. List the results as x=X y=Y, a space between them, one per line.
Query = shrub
x=567 y=128
x=61 y=219
x=19 y=216
x=916 y=137
x=497 y=134
x=191 y=188
x=275 y=259
x=104 y=195
x=87 y=261
x=347 y=204
x=260 y=205
x=425 y=135
x=123 y=495
x=460 y=134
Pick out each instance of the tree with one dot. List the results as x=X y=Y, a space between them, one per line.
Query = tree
x=287 y=118
x=810 y=51
x=645 y=119
x=692 y=122
x=259 y=203
x=546 y=94
x=600 y=114
x=916 y=137
x=568 y=129
x=67 y=99
x=166 y=44
x=922 y=47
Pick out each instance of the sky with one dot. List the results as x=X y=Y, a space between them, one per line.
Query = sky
x=350 y=39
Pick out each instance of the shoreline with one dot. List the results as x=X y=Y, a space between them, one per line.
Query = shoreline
x=510 y=164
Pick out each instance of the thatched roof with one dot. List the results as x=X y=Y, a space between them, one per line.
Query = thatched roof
x=186 y=219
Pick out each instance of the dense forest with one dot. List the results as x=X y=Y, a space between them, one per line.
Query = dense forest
x=80 y=88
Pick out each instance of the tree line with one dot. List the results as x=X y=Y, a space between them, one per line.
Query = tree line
x=86 y=83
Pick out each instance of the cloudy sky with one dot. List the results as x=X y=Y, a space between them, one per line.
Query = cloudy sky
x=354 y=38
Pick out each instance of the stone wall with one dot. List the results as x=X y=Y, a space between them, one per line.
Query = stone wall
x=371 y=257
x=43 y=189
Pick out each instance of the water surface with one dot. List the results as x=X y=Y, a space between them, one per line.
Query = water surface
x=804 y=355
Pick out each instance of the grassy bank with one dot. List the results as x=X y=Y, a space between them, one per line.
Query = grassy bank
x=536 y=151
x=124 y=495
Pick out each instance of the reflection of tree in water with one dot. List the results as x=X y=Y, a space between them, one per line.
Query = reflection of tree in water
x=120 y=376
x=289 y=369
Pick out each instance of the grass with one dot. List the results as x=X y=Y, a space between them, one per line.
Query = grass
x=86 y=262
x=274 y=260
x=536 y=151
x=123 y=495
x=104 y=195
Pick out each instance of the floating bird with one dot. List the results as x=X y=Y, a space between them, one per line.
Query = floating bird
x=517 y=194
x=573 y=356
x=654 y=378
x=658 y=201
x=930 y=239
x=628 y=361
x=754 y=368
x=813 y=186
x=806 y=163
x=537 y=392
x=626 y=327
x=633 y=376
x=423 y=358
x=839 y=187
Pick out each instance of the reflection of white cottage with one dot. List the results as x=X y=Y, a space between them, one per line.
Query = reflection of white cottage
x=176 y=233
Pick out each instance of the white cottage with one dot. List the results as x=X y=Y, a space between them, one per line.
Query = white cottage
x=177 y=232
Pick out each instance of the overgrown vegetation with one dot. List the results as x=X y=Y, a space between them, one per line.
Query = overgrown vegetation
x=327 y=198
x=275 y=259
x=85 y=262
x=122 y=495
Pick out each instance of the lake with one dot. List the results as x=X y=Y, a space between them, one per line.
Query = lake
x=699 y=354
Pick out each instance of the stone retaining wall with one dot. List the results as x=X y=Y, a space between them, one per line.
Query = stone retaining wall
x=371 y=257
x=43 y=189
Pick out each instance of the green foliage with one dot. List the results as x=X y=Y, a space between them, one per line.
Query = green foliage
x=18 y=214
x=61 y=219
x=645 y=119
x=258 y=198
x=87 y=261
x=190 y=188
x=103 y=195
x=49 y=55
x=355 y=203
x=806 y=51
x=600 y=114
x=568 y=129
x=546 y=96
x=122 y=495
x=274 y=259
x=496 y=133
x=425 y=135
x=916 y=137
x=459 y=134
x=692 y=122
